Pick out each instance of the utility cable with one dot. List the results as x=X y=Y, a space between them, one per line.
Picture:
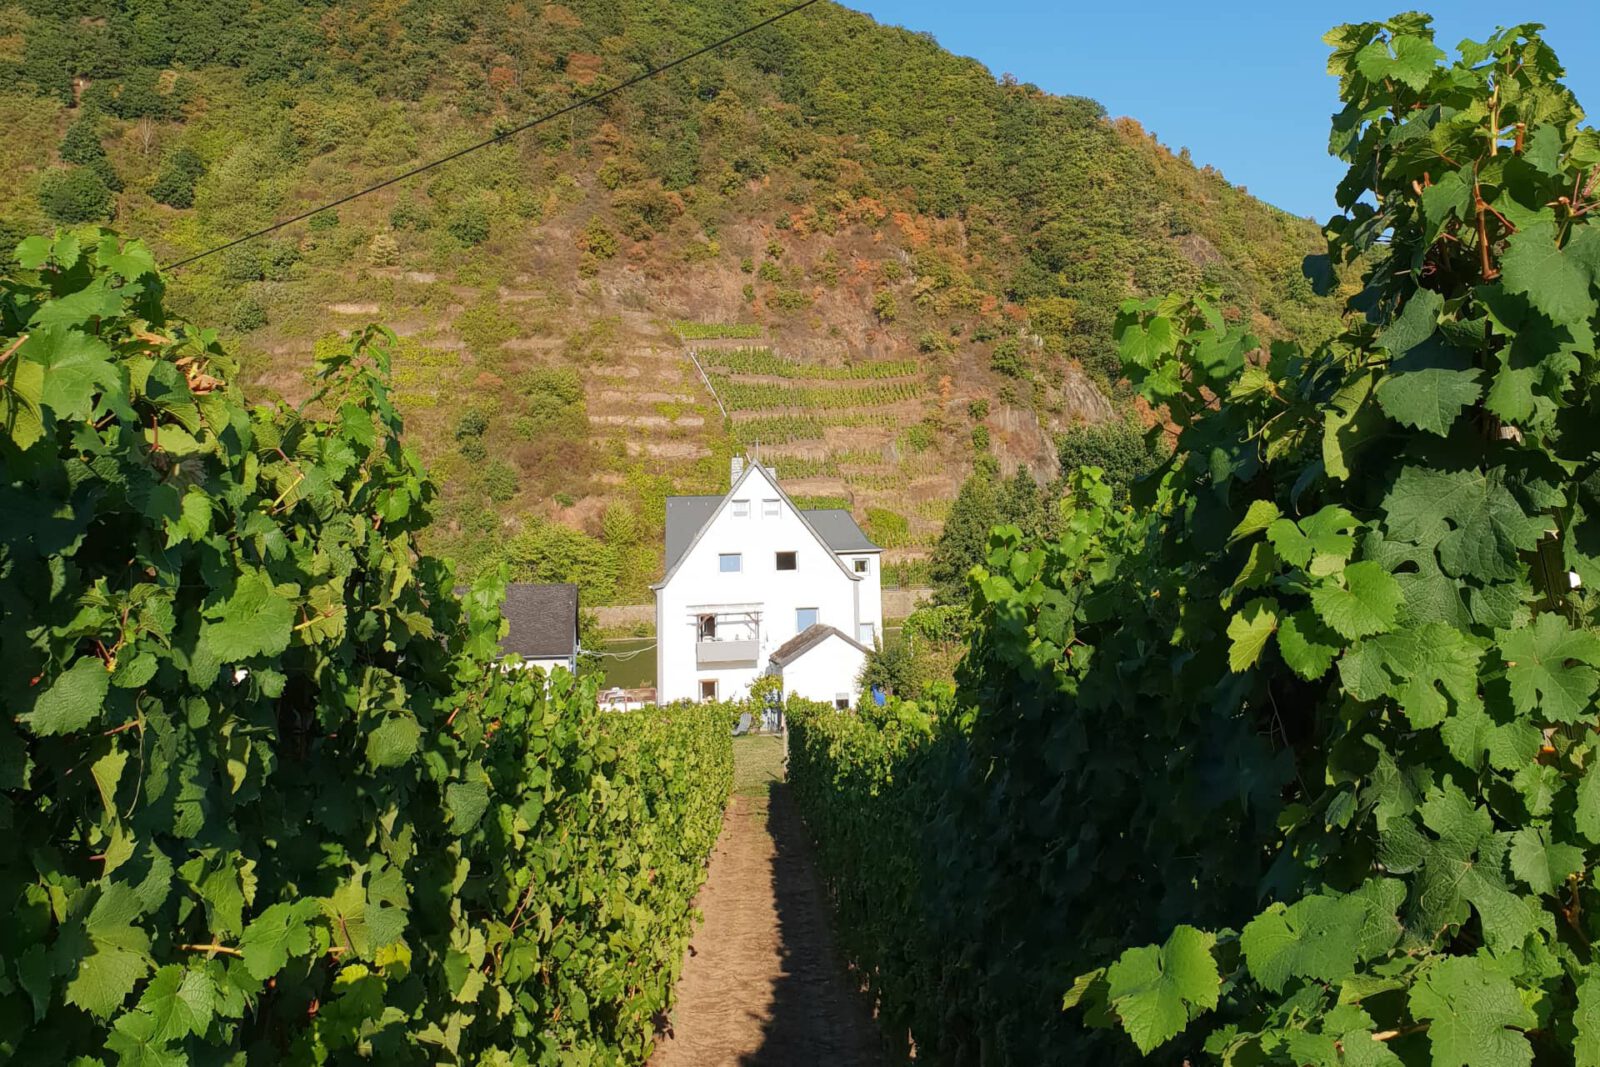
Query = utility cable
x=499 y=137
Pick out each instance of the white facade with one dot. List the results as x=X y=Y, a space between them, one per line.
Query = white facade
x=755 y=575
x=826 y=672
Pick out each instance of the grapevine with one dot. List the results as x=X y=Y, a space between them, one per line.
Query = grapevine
x=270 y=796
x=1295 y=762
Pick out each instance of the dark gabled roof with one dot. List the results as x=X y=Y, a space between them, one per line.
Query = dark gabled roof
x=686 y=516
x=838 y=528
x=543 y=621
x=806 y=640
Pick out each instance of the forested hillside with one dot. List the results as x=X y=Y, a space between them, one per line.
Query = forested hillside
x=891 y=260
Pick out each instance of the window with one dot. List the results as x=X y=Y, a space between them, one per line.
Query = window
x=866 y=633
x=730 y=563
x=786 y=561
x=706 y=627
x=804 y=619
x=708 y=689
x=861 y=566
x=769 y=509
x=842 y=702
x=741 y=509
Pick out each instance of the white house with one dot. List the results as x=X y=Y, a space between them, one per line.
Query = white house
x=747 y=573
x=819 y=664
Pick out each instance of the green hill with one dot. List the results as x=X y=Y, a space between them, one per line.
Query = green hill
x=886 y=258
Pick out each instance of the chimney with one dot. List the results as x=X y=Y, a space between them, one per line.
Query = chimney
x=736 y=468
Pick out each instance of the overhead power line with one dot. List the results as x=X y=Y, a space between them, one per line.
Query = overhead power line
x=499 y=137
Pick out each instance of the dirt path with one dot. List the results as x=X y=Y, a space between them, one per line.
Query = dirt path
x=762 y=986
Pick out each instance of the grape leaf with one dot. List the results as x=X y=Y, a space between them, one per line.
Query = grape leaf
x=1587 y=1020
x=1428 y=388
x=180 y=1000
x=135 y=1039
x=1554 y=281
x=467 y=802
x=1419 y=667
x=1417 y=322
x=116 y=956
x=394 y=742
x=279 y=932
x=1587 y=815
x=1551 y=668
x=1257 y=517
x=255 y=621
x=1319 y=543
x=1249 y=631
x=1476 y=524
x=73 y=701
x=1307 y=646
x=1367 y=603
x=1543 y=864
x=1474 y=1015
x=1157 y=990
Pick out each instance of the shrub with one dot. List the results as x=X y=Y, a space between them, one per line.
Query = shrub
x=75 y=195
x=597 y=241
x=472 y=423
x=980 y=438
x=978 y=408
x=499 y=479
x=887 y=529
x=1118 y=448
x=181 y=171
x=409 y=215
x=383 y=250
x=884 y=306
x=323 y=221
x=468 y=223
x=1007 y=359
x=248 y=314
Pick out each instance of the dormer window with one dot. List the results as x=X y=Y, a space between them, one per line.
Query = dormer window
x=785 y=561
x=741 y=509
x=769 y=509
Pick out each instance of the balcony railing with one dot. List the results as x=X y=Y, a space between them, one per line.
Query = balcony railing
x=713 y=653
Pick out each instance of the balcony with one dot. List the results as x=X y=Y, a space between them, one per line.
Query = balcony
x=711 y=653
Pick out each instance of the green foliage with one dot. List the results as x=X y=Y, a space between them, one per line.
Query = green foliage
x=270 y=795
x=75 y=195
x=1342 y=656
x=1007 y=359
x=468 y=223
x=887 y=529
x=714 y=331
x=766 y=362
x=181 y=171
x=885 y=306
x=499 y=480
x=550 y=552
x=472 y=423
x=1117 y=448
x=554 y=402
x=248 y=314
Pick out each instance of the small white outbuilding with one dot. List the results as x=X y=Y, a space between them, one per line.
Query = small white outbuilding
x=821 y=664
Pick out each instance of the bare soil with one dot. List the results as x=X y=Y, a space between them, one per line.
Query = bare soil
x=762 y=986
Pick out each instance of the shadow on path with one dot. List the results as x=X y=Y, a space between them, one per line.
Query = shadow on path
x=763 y=986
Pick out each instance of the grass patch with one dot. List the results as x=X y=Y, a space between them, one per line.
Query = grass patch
x=757 y=763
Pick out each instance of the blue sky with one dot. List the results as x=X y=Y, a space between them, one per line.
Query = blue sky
x=1242 y=85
